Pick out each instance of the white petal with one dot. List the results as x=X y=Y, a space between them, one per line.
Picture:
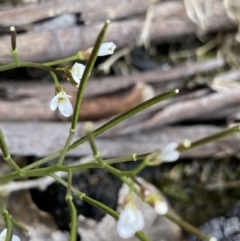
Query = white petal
x=76 y=79
x=66 y=108
x=161 y=207
x=130 y=221
x=140 y=221
x=15 y=238
x=3 y=233
x=125 y=231
x=169 y=153
x=54 y=103
x=77 y=71
x=106 y=49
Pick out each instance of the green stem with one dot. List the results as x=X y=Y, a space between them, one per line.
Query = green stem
x=20 y=225
x=42 y=161
x=122 y=159
x=16 y=57
x=73 y=211
x=8 y=222
x=203 y=141
x=60 y=61
x=125 y=116
x=25 y=64
x=6 y=154
x=210 y=138
x=65 y=149
x=56 y=82
x=86 y=74
x=72 y=208
x=188 y=227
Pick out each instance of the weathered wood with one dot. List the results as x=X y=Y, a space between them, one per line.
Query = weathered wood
x=187 y=110
x=59 y=43
x=41 y=139
x=30 y=100
x=38 y=11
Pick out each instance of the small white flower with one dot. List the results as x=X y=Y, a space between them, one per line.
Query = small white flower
x=3 y=235
x=61 y=101
x=130 y=221
x=106 y=49
x=161 y=207
x=77 y=72
x=169 y=153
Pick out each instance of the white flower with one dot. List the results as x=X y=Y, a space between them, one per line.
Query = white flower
x=161 y=207
x=169 y=153
x=106 y=49
x=130 y=221
x=61 y=101
x=3 y=235
x=77 y=72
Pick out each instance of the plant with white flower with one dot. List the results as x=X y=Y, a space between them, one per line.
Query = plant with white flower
x=77 y=72
x=3 y=235
x=130 y=221
x=168 y=154
x=105 y=49
x=61 y=100
x=158 y=203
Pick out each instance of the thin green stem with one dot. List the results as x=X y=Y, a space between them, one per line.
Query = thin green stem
x=121 y=159
x=16 y=57
x=20 y=225
x=65 y=149
x=42 y=161
x=3 y=145
x=56 y=82
x=211 y=138
x=86 y=74
x=72 y=208
x=6 y=154
x=73 y=211
x=25 y=64
x=125 y=116
x=13 y=164
x=89 y=128
x=8 y=222
x=61 y=61
x=188 y=227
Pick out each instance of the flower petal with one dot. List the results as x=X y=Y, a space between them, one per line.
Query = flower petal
x=161 y=207
x=15 y=238
x=76 y=79
x=77 y=71
x=106 y=49
x=54 y=103
x=3 y=233
x=130 y=221
x=125 y=231
x=140 y=221
x=169 y=153
x=66 y=108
